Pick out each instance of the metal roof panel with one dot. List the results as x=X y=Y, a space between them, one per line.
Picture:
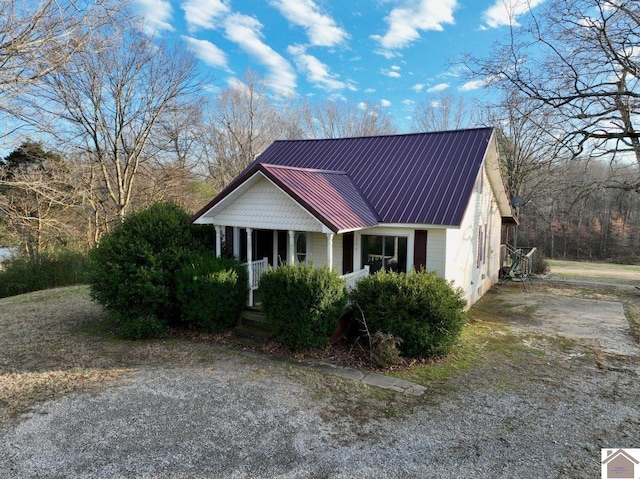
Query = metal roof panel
x=420 y=178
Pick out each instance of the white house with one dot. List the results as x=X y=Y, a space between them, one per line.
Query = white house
x=428 y=200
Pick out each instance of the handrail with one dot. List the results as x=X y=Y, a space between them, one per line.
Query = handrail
x=353 y=278
x=259 y=267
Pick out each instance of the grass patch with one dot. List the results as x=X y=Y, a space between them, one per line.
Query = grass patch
x=475 y=338
x=19 y=392
x=599 y=271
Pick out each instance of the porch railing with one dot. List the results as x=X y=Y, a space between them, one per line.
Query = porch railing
x=353 y=278
x=258 y=268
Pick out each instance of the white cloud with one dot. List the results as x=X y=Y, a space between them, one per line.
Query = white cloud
x=506 y=12
x=370 y=90
x=385 y=103
x=207 y=52
x=246 y=32
x=363 y=106
x=408 y=102
x=157 y=15
x=321 y=29
x=406 y=22
x=473 y=85
x=434 y=103
x=390 y=73
x=317 y=72
x=203 y=13
x=418 y=87
x=438 y=87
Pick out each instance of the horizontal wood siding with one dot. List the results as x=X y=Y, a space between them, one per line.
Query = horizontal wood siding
x=436 y=251
x=319 y=251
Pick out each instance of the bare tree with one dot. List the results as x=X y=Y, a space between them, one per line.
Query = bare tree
x=526 y=147
x=242 y=123
x=446 y=112
x=177 y=151
x=578 y=61
x=339 y=119
x=38 y=37
x=109 y=98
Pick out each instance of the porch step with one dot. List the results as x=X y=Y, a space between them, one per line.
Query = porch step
x=253 y=324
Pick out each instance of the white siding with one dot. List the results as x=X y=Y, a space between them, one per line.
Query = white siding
x=319 y=251
x=436 y=251
x=462 y=245
x=264 y=206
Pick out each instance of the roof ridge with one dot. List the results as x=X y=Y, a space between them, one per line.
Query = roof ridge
x=390 y=135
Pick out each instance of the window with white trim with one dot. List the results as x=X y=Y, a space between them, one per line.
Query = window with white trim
x=300 y=242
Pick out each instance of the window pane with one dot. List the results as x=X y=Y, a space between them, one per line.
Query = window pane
x=301 y=247
x=372 y=252
x=389 y=252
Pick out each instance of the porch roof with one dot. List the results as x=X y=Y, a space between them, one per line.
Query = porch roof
x=330 y=196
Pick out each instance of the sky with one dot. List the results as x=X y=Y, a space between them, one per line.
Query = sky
x=392 y=53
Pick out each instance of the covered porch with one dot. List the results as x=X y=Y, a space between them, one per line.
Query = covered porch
x=261 y=249
x=289 y=216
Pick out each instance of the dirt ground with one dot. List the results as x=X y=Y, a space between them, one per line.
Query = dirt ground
x=534 y=391
x=599 y=324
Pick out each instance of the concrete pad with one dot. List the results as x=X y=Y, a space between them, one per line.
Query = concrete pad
x=596 y=323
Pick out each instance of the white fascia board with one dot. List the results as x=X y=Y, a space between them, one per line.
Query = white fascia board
x=491 y=163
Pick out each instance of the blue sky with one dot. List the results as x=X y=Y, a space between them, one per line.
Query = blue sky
x=394 y=53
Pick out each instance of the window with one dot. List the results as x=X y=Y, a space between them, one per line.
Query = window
x=300 y=241
x=388 y=252
x=480 y=251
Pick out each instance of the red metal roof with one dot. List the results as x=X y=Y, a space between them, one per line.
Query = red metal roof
x=329 y=195
x=421 y=178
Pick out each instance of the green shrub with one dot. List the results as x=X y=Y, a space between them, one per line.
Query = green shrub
x=422 y=309
x=539 y=264
x=50 y=270
x=133 y=268
x=141 y=327
x=303 y=303
x=212 y=292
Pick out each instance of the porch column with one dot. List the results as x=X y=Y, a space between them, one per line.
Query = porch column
x=218 y=240
x=292 y=248
x=274 y=255
x=250 y=267
x=236 y=242
x=330 y=250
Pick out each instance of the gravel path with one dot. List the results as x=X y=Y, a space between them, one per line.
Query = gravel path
x=250 y=418
x=539 y=407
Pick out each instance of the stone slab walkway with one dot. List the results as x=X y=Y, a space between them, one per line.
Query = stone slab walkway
x=370 y=378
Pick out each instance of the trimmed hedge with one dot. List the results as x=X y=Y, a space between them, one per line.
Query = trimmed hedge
x=50 y=270
x=212 y=292
x=133 y=268
x=303 y=303
x=422 y=309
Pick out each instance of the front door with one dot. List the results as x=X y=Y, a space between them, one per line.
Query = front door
x=263 y=245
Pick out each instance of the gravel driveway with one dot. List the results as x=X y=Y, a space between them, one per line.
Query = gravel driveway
x=539 y=407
